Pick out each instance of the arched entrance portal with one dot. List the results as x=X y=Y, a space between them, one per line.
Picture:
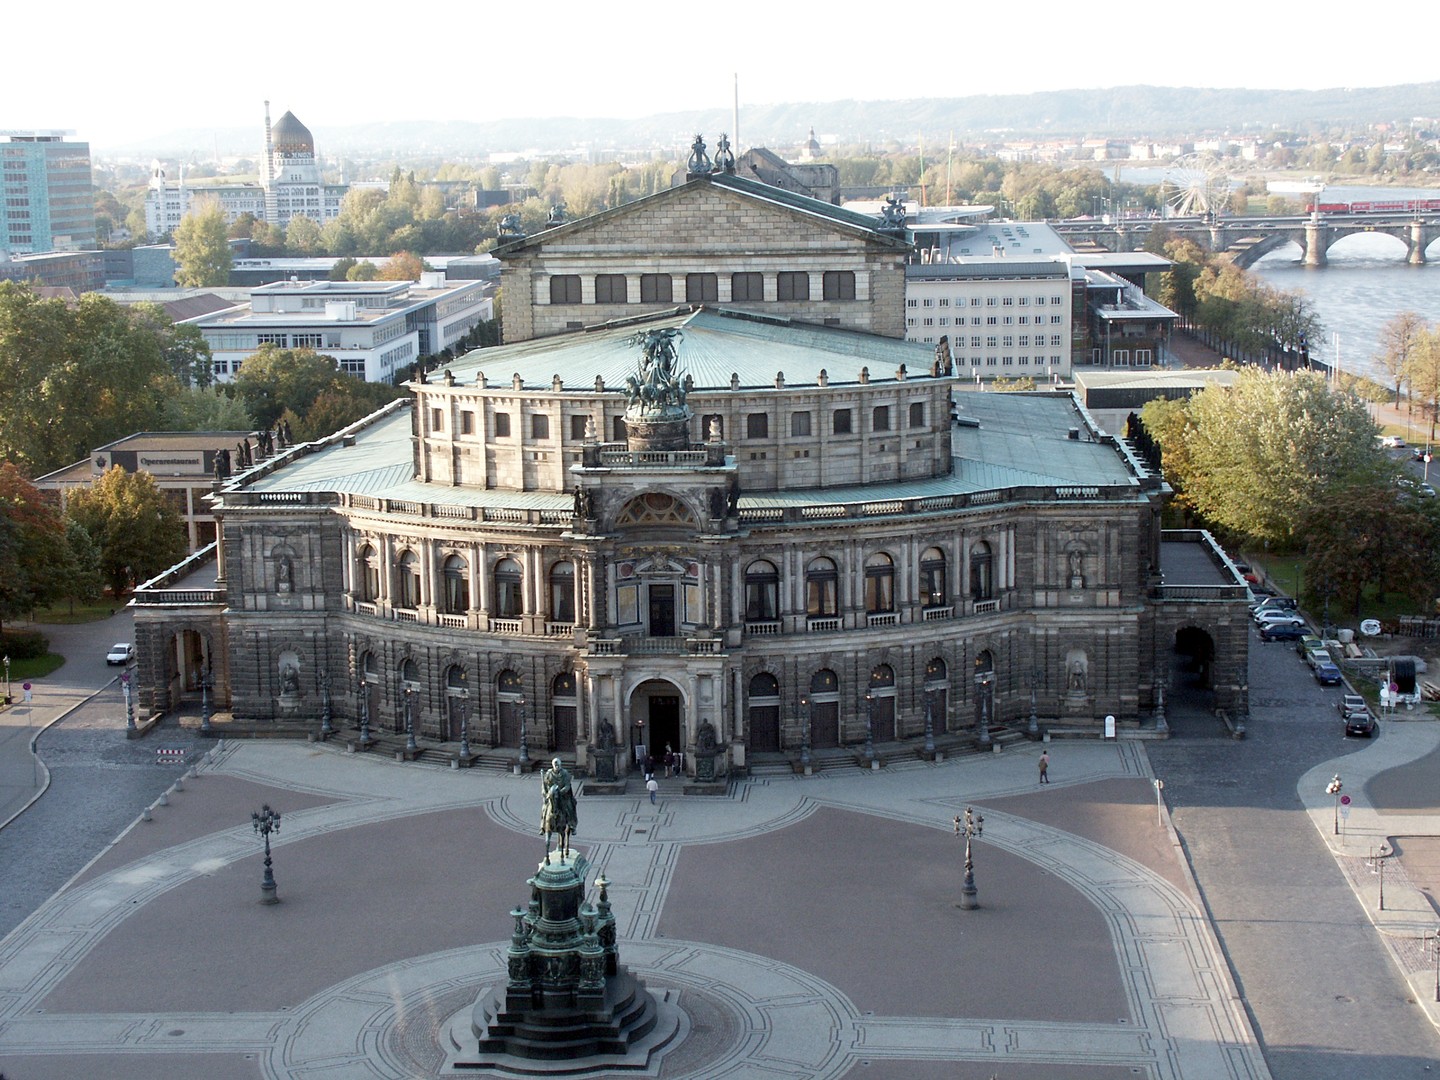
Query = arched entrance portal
x=657 y=716
x=1189 y=693
x=188 y=659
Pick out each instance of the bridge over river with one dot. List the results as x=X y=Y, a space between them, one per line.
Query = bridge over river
x=1247 y=239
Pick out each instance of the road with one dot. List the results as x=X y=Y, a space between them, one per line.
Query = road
x=1320 y=988
x=98 y=780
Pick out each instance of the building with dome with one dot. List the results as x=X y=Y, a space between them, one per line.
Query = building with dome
x=290 y=185
x=745 y=536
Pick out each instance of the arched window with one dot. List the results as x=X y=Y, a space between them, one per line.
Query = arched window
x=879 y=583
x=937 y=694
x=508 y=603
x=563 y=711
x=510 y=699
x=368 y=576
x=407 y=580
x=562 y=592
x=821 y=579
x=457 y=702
x=457 y=585
x=934 y=589
x=982 y=572
x=762 y=592
x=881 y=700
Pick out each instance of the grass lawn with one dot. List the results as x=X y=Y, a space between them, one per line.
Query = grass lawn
x=20 y=670
x=1287 y=574
x=62 y=615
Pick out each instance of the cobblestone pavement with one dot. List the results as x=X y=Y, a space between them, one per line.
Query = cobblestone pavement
x=1321 y=987
x=806 y=926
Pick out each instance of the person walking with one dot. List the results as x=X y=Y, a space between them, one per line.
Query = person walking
x=652 y=786
x=1044 y=766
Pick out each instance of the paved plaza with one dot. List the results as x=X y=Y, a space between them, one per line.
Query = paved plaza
x=808 y=925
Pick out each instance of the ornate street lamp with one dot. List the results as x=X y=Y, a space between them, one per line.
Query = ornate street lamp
x=807 y=709
x=205 y=728
x=465 y=728
x=326 y=727
x=930 y=721
x=129 y=704
x=364 y=714
x=870 y=727
x=971 y=828
x=524 y=741
x=267 y=821
x=1335 y=786
x=983 y=683
x=410 y=744
x=1161 y=724
x=7 y=678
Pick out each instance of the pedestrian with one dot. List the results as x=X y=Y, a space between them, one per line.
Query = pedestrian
x=649 y=767
x=1044 y=766
x=652 y=786
x=669 y=759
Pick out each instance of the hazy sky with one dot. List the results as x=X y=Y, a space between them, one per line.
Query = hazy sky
x=116 y=76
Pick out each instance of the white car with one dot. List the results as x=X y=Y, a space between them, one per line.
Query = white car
x=122 y=652
x=1392 y=442
x=1279 y=618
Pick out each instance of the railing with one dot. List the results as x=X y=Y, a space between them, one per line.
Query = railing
x=454 y=622
x=883 y=618
x=365 y=607
x=821 y=626
x=559 y=629
x=985 y=607
x=761 y=629
x=653 y=459
x=1211 y=593
x=406 y=615
x=934 y=613
x=180 y=596
x=504 y=626
x=640 y=645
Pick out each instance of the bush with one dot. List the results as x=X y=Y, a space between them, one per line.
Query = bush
x=24 y=644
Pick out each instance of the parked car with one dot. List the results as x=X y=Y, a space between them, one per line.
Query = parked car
x=122 y=652
x=1273 y=603
x=1351 y=704
x=1316 y=657
x=1420 y=453
x=1282 y=632
x=1362 y=724
x=1308 y=642
x=1392 y=442
x=1277 y=617
x=1327 y=674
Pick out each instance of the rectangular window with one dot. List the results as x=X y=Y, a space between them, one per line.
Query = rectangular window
x=944 y=301
x=1055 y=300
x=539 y=426
x=502 y=425
x=990 y=301
x=565 y=289
x=842 y=421
x=701 y=288
x=975 y=341
x=747 y=287
x=1024 y=301
x=577 y=426
x=655 y=289
x=840 y=285
x=991 y=320
x=757 y=426
x=1054 y=320
x=611 y=289
x=1039 y=301
x=1009 y=301
x=799 y=424
x=929 y=301
x=437 y=419
x=467 y=423
x=1055 y=341
x=792 y=285
x=1009 y=341
x=917 y=414
x=992 y=342
x=1024 y=341
x=619 y=429
x=881 y=418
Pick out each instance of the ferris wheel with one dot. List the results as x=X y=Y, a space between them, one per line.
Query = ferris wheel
x=1195 y=185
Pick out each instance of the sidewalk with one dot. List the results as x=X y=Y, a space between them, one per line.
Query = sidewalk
x=1393 y=788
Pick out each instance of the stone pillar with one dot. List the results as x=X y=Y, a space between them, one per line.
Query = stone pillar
x=1317 y=240
x=1419 y=237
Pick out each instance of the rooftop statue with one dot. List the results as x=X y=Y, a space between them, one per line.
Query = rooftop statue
x=892 y=214
x=724 y=157
x=656 y=385
x=699 y=162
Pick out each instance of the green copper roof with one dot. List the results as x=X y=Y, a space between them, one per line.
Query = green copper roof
x=716 y=343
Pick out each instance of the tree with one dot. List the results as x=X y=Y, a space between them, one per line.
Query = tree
x=273 y=380
x=340 y=269
x=136 y=529
x=32 y=546
x=211 y=408
x=202 y=250
x=1267 y=453
x=80 y=578
x=1398 y=339
x=183 y=346
x=339 y=405
x=75 y=377
x=303 y=237
x=1422 y=372
x=1368 y=537
x=362 y=271
x=402 y=266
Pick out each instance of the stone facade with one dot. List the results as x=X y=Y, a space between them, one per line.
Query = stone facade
x=746 y=239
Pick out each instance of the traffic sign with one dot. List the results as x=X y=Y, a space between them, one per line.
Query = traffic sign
x=1344 y=800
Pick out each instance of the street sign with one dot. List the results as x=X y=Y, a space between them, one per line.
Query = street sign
x=1345 y=813
x=1344 y=800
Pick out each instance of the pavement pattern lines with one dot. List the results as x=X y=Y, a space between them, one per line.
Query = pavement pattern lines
x=1184 y=1023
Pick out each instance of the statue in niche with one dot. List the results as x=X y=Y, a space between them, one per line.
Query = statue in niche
x=717 y=503
x=284 y=574
x=290 y=680
x=1077 y=676
x=1077 y=569
x=705 y=741
x=584 y=503
x=605 y=736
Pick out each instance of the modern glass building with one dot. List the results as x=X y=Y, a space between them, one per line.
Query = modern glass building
x=49 y=196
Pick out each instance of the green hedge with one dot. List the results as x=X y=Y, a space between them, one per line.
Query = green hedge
x=24 y=644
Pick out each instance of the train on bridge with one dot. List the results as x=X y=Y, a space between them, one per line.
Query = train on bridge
x=1376 y=206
